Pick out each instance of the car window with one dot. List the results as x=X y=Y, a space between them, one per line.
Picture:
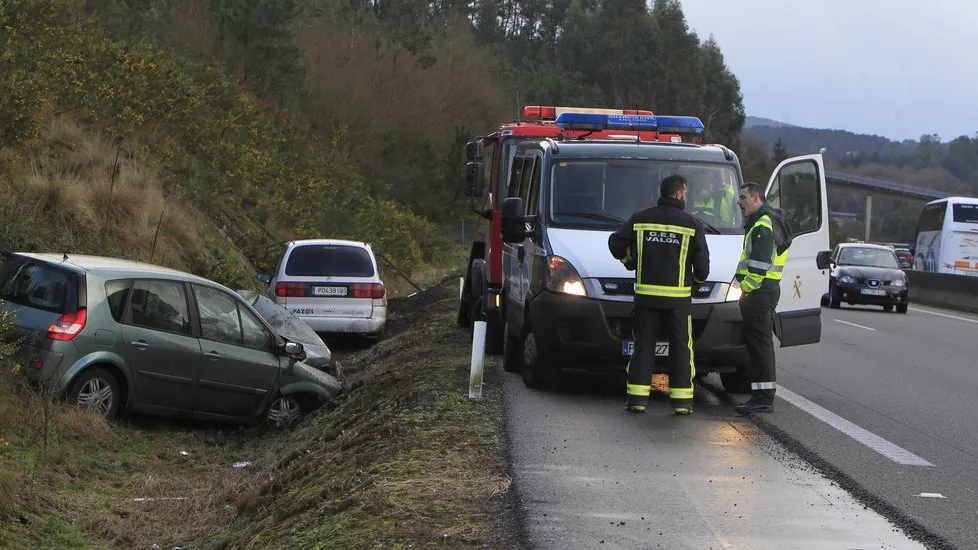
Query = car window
x=37 y=284
x=159 y=305
x=219 y=319
x=116 y=293
x=254 y=334
x=329 y=261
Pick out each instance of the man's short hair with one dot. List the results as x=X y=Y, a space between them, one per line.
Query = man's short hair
x=754 y=189
x=671 y=185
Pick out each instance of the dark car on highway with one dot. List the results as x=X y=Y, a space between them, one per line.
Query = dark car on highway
x=867 y=274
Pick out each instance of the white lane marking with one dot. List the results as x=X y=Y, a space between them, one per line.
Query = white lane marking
x=931 y=495
x=889 y=450
x=853 y=324
x=965 y=319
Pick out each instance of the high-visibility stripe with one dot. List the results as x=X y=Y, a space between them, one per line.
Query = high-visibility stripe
x=762 y=385
x=754 y=272
x=758 y=264
x=680 y=393
x=666 y=291
x=638 y=390
x=689 y=344
x=663 y=227
x=683 y=250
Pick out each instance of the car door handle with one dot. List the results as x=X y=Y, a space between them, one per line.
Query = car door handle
x=139 y=344
x=212 y=355
x=520 y=253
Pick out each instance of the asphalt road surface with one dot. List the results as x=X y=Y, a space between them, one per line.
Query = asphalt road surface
x=872 y=444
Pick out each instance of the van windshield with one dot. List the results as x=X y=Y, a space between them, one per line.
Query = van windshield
x=601 y=193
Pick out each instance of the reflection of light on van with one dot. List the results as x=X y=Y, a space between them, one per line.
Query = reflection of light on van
x=945 y=241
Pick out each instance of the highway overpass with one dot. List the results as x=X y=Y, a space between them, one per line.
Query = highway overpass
x=872 y=187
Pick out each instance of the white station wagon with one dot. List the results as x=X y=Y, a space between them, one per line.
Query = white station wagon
x=331 y=284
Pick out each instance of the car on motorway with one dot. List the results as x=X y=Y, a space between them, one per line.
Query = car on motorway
x=905 y=257
x=113 y=334
x=867 y=274
x=331 y=284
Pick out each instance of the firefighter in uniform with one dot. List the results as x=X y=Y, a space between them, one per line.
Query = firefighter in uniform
x=667 y=249
x=762 y=260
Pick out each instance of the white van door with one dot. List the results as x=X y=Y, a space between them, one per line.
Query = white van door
x=798 y=187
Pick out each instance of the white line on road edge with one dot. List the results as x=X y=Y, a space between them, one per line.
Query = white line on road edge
x=965 y=319
x=867 y=438
x=853 y=324
x=931 y=495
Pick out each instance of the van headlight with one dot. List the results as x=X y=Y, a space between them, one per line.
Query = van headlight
x=734 y=292
x=562 y=277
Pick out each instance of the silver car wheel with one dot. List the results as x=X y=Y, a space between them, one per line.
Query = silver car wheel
x=284 y=412
x=96 y=394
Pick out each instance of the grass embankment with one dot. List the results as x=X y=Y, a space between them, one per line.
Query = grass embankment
x=403 y=459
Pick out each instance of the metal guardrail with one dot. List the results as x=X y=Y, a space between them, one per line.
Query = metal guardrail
x=959 y=292
x=891 y=188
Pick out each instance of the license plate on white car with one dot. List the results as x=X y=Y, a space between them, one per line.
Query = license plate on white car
x=329 y=291
x=872 y=291
x=628 y=348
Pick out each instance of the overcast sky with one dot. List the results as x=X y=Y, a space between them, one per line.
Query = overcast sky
x=896 y=68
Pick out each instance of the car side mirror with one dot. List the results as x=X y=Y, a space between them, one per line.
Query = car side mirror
x=513 y=221
x=474 y=179
x=824 y=259
x=265 y=278
x=295 y=350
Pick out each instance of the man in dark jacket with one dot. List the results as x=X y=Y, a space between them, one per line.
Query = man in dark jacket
x=667 y=248
x=766 y=241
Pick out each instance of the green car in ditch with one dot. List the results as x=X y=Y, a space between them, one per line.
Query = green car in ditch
x=111 y=334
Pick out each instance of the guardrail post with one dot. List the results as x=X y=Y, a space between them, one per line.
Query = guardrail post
x=478 y=359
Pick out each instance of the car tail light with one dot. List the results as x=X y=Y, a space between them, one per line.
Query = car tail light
x=293 y=290
x=368 y=290
x=68 y=325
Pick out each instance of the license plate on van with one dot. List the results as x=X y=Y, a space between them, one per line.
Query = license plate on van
x=628 y=348
x=329 y=291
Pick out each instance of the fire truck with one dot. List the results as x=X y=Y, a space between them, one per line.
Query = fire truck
x=487 y=174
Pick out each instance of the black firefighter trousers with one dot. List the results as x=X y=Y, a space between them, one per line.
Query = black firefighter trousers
x=757 y=309
x=645 y=326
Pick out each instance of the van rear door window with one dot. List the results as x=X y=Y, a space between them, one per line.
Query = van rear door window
x=329 y=261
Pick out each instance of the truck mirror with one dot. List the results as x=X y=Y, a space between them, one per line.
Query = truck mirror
x=474 y=179
x=474 y=151
x=822 y=259
x=513 y=221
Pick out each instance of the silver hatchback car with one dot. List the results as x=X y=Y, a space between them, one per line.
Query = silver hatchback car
x=331 y=284
x=111 y=333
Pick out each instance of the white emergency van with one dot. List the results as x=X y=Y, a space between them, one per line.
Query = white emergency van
x=567 y=302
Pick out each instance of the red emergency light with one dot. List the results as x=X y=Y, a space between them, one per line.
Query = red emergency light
x=546 y=112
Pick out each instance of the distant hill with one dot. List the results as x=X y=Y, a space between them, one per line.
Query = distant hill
x=838 y=144
x=753 y=121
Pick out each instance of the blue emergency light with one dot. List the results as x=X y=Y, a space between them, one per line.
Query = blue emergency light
x=683 y=125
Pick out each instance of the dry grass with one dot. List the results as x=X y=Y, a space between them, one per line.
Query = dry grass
x=403 y=459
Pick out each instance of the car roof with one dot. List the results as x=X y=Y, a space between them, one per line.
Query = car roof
x=84 y=263
x=328 y=242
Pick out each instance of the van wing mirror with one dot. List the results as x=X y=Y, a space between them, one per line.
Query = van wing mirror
x=474 y=179
x=475 y=151
x=823 y=259
x=513 y=221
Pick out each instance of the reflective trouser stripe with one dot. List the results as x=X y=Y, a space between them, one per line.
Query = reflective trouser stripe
x=689 y=344
x=638 y=390
x=680 y=393
x=762 y=385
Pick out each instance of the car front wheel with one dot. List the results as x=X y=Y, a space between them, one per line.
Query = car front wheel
x=284 y=411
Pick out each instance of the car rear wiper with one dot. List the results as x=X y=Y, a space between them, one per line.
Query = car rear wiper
x=592 y=215
x=707 y=226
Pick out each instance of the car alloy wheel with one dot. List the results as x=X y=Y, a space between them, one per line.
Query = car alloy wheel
x=96 y=394
x=285 y=411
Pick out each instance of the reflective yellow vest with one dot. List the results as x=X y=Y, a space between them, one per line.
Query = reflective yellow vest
x=753 y=272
